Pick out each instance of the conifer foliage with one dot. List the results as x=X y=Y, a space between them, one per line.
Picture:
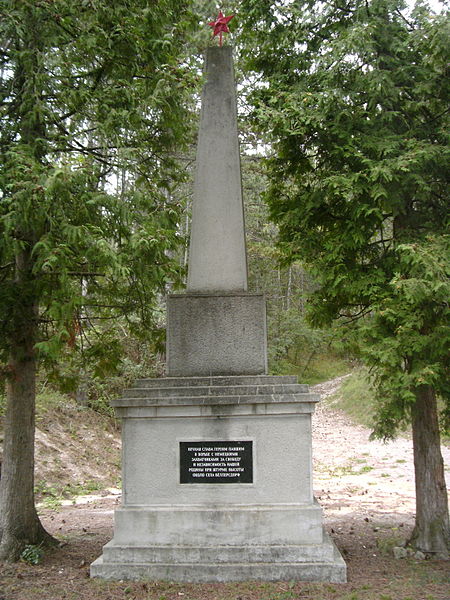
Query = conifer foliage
x=91 y=109
x=355 y=97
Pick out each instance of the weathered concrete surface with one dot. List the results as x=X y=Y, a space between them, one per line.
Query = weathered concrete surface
x=217 y=255
x=225 y=525
x=269 y=529
x=216 y=334
x=223 y=564
x=216 y=328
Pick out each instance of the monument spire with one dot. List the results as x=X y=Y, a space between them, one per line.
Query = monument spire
x=217 y=255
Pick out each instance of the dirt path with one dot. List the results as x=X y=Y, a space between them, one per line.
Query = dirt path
x=362 y=484
x=356 y=476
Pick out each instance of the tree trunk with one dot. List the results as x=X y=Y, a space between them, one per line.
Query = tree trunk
x=19 y=523
x=289 y=288
x=432 y=530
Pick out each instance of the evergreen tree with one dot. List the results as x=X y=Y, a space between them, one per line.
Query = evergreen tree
x=355 y=97
x=91 y=93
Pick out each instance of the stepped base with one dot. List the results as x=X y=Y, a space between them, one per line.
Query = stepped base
x=179 y=523
x=189 y=564
x=218 y=525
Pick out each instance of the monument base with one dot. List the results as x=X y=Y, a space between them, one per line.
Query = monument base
x=217 y=484
x=220 y=564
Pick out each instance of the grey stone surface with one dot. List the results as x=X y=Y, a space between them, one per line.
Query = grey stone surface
x=279 y=425
x=222 y=553
x=223 y=563
x=221 y=334
x=399 y=552
x=204 y=391
x=270 y=529
x=231 y=524
x=217 y=254
x=242 y=380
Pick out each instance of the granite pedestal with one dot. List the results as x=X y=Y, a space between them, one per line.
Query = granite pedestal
x=217 y=484
x=216 y=334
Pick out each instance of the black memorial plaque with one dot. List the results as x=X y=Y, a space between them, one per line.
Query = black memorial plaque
x=216 y=462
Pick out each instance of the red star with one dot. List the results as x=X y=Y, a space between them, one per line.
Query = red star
x=220 y=25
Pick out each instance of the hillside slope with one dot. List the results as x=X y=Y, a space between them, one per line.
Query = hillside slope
x=77 y=449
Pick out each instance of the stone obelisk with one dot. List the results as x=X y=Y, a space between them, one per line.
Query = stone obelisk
x=217 y=256
x=217 y=457
x=217 y=327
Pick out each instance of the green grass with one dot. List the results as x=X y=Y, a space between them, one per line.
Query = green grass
x=387 y=544
x=321 y=367
x=32 y=554
x=49 y=400
x=46 y=401
x=53 y=495
x=356 y=398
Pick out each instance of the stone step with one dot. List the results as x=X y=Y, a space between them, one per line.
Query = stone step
x=167 y=400
x=333 y=571
x=218 y=554
x=216 y=380
x=213 y=391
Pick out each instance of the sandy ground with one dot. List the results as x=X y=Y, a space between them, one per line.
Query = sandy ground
x=354 y=475
x=363 y=484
